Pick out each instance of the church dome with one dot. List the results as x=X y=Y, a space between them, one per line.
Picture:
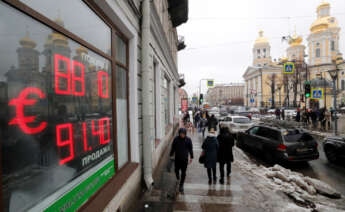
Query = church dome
x=295 y=40
x=59 y=39
x=81 y=50
x=323 y=23
x=261 y=39
x=27 y=42
x=323 y=5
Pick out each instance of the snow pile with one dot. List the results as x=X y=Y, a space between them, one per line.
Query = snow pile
x=304 y=191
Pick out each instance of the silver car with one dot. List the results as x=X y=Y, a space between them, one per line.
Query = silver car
x=236 y=123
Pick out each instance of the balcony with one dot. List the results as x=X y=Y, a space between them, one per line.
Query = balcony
x=178 y=10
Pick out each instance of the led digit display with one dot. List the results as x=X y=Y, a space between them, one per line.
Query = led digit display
x=61 y=62
x=101 y=92
x=64 y=143
x=78 y=79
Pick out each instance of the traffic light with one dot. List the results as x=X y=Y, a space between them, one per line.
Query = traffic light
x=307 y=90
x=201 y=99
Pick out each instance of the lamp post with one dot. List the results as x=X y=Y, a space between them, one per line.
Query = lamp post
x=334 y=76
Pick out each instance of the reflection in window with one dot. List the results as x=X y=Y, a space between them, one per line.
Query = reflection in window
x=332 y=45
x=122 y=119
x=72 y=110
x=76 y=17
x=121 y=51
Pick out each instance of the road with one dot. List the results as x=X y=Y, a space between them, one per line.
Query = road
x=320 y=169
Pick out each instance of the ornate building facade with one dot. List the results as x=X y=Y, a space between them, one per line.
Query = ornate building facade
x=266 y=85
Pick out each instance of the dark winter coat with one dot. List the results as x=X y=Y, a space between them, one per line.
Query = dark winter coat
x=226 y=142
x=210 y=147
x=181 y=147
x=212 y=123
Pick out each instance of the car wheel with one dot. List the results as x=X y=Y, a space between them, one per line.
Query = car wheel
x=331 y=154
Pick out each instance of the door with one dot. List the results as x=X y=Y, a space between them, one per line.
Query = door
x=250 y=137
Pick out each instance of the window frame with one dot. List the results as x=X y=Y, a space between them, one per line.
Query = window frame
x=114 y=184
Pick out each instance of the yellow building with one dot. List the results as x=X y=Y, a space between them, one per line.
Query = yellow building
x=323 y=55
x=323 y=50
x=262 y=76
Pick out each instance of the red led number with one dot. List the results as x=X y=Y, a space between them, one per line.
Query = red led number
x=65 y=143
x=59 y=76
x=102 y=130
x=101 y=92
x=79 y=79
x=71 y=79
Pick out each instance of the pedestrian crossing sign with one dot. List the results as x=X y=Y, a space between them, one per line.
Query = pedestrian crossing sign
x=289 y=68
x=317 y=93
x=210 y=83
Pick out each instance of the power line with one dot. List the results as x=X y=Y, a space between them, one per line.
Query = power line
x=260 y=18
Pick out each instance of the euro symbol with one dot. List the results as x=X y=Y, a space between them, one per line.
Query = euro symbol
x=21 y=120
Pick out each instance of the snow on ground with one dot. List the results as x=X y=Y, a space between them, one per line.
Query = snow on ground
x=305 y=193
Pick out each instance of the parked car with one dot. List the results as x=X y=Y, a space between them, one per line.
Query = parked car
x=246 y=114
x=271 y=110
x=334 y=148
x=236 y=124
x=279 y=144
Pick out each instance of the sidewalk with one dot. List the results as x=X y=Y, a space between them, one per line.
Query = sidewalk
x=237 y=194
x=234 y=195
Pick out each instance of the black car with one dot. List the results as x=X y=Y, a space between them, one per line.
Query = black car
x=334 y=148
x=277 y=143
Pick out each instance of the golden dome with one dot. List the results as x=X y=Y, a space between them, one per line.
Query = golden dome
x=261 y=38
x=59 y=39
x=323 y=23
x=295 y=40
x=323 y=5
x=81 y=50
x=284 y=59
x=27 y=42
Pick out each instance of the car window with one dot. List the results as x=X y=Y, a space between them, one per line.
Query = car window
x=269 y=133
x=242 y=120
x=253 y=131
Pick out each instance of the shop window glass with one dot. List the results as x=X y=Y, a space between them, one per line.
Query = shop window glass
x=122 y=119
x=77 y=17
x=332 y=45
x=121 y=51
x=55 y=112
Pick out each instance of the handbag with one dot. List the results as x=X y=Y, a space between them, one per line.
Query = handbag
x=202 y=158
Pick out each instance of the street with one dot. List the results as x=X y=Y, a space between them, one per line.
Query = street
x=320 y=169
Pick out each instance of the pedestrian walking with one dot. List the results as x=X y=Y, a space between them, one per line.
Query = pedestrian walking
x=322 y=119
x=225 y=156
x=210 y=148
x=313 y=117
x=328 y=119
x=277 y=112
x=203 y=125
x=181 y=147
x=298 y=115
x=212 y=122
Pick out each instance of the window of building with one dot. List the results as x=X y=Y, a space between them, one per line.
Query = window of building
x=65 y=134
x=87 y=25
x=332 y=45
x=343 y=85
x=318 y=52
x=166 y=101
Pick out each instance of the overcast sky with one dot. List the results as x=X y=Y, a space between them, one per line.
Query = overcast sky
x=220 y=34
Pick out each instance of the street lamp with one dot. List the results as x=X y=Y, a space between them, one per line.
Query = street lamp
x=334 y=76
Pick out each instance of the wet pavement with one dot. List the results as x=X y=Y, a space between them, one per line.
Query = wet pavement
x=238 y=193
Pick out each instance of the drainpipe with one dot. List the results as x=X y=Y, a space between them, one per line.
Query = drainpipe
x=146 y=96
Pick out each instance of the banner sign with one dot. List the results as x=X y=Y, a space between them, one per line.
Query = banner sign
x=81 y=193
x=184 y=105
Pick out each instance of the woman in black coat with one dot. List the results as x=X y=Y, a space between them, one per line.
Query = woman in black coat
x=210 y=147
x=225 y=156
